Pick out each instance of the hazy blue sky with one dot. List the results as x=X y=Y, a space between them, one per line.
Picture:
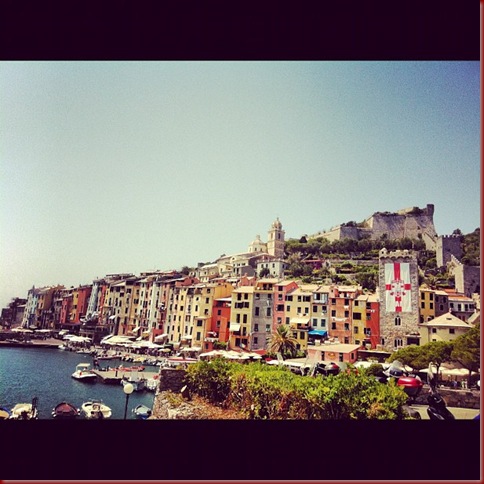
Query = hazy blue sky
x=131 y=166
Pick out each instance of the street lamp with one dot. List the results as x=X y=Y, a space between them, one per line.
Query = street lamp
x=128 y=389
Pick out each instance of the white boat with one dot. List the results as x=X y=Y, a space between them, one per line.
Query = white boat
x=25 y=411
x=83 y=372
x=95 y=409
x=151 y=384
x=135 y=380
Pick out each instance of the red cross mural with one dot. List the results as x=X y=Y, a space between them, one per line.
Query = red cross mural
x=397 y=287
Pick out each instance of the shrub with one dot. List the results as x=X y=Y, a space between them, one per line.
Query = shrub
x=266 y=392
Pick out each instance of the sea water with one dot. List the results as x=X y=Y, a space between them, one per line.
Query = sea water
x=45 y=373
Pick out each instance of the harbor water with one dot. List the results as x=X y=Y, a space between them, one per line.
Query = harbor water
x=46 y=373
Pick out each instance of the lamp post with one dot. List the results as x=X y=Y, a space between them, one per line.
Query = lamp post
x=128 y=389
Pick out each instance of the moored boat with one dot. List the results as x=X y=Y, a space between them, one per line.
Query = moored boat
x=142 y=412
x=25 y=411
x=95 y=409
x=135 y=380
x=83 y=372
x=4 y=413
x=65 y=410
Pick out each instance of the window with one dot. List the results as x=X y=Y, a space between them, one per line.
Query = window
x=431 y=305
x=347 y=327
x=237 y=318
x=268 y=312
x=434 y=330
x=422 y=305
x=299 y=310
x=315 y=322
x=288 y=298
x=218 y=324
x=451 y=330
x=397 y=343
x=199 y=322
x=398 y=321
x=256 y=340
x=198 y=336
x=333 y=325
x=333 y=300
x=355 y=329
x=219 y=312
x=315 y=309
x=288 y=308
x=347 y=314
x=347 y=342
x=256 y=327
x=268 y=328
x=347 y=301
x=333 y=313
x=382 y=341
x=244 y=319
x=279 y=320
x=301 y=335
x=257 y=311
x=287 y=320
x=280 y=307
x=441 y=307
x=207 y=300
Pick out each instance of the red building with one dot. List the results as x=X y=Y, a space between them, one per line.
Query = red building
x=340 y=312
x=219 y=331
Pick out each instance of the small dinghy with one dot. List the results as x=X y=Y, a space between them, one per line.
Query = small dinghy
x=142 y=412
x=65 y=410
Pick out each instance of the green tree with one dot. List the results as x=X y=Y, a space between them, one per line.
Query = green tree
x=412 y=355
x=439 y=352
x=467 y=350
x=282 y=341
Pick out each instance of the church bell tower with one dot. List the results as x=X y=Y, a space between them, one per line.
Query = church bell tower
x=275 y=241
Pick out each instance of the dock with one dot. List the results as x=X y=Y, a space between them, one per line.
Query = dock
x=114 y=377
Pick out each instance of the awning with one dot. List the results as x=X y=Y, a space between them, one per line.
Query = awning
x=316 y=332
x=136 y=329
x=234 y=327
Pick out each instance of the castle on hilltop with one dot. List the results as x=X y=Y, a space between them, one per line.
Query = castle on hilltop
x=412 y=223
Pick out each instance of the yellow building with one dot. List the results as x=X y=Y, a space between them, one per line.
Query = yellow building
x=298 y=313
x=359 y=319
x=442 y=328
x=241 y=316
x=426 y=304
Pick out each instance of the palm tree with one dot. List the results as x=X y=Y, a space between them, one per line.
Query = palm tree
x=282 y=341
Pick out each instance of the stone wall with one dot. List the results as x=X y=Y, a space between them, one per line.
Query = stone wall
x=453 y=398
x=446 y=246
x=172 y=379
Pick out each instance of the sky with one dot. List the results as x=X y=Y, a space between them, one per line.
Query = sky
x=111 y=167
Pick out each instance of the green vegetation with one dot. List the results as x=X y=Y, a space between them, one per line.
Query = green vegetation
x=467 y=350
x=419 y=357
x=471 y=248
x=262 y=391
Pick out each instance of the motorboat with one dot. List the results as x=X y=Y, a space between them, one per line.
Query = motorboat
x=4 y=413
x=83 y=372
x=95 y=409
x=65 y=410
x=142 y=412
x=135 y=380
x=151 y=384
x=25 y=411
